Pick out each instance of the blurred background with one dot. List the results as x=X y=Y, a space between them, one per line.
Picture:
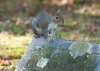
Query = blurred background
x=82 y=22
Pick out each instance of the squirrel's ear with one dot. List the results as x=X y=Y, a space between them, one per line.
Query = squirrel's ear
x=57 y=12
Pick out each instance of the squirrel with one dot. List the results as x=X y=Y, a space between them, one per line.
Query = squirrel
x=44 y=24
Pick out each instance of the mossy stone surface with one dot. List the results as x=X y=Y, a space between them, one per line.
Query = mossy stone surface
x=60 y=61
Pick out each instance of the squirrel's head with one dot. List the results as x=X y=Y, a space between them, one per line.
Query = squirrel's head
x=58 y=17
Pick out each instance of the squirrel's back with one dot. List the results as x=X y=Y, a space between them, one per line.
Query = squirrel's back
x=42 y=17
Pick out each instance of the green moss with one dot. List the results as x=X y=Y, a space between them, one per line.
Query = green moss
x=61 y=61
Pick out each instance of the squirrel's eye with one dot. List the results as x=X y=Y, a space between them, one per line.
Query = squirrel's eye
x=57 y=17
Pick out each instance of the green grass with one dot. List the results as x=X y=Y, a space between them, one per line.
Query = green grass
x=16 y=29
x=11 y=50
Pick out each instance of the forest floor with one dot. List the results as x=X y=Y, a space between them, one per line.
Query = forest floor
x=16 y=34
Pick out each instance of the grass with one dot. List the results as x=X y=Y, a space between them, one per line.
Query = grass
x=12 y=27
x=11 y=49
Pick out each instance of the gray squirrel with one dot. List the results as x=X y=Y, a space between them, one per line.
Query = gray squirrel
x=44 y=24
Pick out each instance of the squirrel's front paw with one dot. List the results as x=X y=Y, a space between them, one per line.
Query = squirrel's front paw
x=50 y=39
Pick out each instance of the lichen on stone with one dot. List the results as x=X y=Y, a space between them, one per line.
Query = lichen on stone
x=79 y=49
x=42 y=62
